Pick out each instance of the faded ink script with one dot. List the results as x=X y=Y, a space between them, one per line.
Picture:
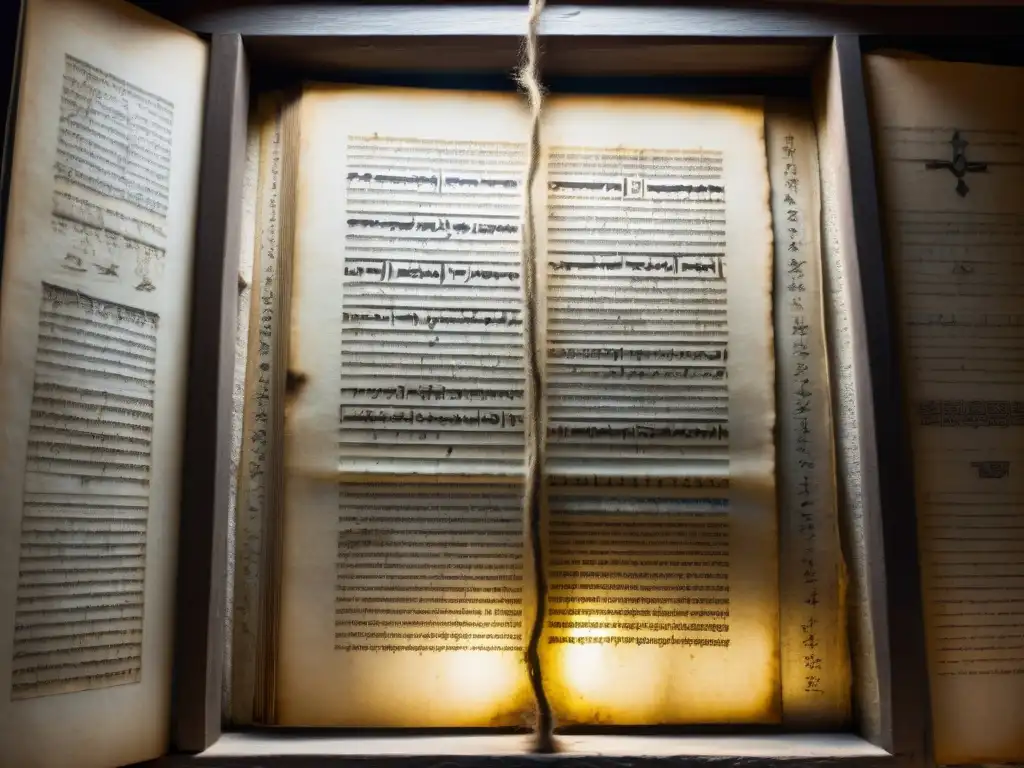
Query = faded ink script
x=637 y=398
x=432 y=381
x=83 y=542
x=78 y=622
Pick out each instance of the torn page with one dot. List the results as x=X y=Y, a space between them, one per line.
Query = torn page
x=950 y=142
x=405 y=600
x=93 y=340
x=662 y=539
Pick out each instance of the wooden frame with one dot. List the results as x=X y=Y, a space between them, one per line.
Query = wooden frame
x=316 y=38
x=199 y=630
x=767 y=38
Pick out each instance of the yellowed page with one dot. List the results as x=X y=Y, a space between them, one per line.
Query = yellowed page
x=950 y=142
x=93 y=344
x=815 y=653
x=660 y=395
x=404 y=592
x=254 y=573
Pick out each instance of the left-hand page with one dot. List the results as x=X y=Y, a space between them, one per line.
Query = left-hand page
x=97 y=268
x=405 y=600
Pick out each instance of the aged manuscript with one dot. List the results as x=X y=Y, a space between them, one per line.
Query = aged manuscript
x=407 y=591
x=405 y=597
x=660 y=392
x=950 y=139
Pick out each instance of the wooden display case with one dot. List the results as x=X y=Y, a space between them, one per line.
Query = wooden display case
x=811 y=50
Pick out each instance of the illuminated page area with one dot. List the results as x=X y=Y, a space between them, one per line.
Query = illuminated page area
x=404 y=595
x=660 y=401
x=93 y=344
x=950 y=140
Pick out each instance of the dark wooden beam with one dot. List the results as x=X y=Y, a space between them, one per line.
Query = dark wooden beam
x=391 y=760
x=888 y=481
x=727 y=19
x=325 y=747
x=283 y=57
x=202 y=578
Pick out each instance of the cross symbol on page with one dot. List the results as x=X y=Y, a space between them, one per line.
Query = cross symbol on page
x=959 y=166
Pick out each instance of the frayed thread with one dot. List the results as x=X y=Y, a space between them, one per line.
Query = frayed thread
x=528 y=79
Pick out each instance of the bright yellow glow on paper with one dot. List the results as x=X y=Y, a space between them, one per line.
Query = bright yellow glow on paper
x=650 y=683
x=584 y=669
x=409 y=689
x=482 y=682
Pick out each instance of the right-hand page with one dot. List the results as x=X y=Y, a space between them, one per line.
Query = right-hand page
x=950 y=146
x=660 y=515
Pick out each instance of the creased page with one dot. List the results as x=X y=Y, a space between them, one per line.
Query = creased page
x=405 y=597
x=662 y=547
x=950 y=141
x=815 y=654
x=851 y=404
x=93 y=344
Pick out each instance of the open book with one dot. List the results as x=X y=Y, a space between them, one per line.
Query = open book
x=96 y=299
x=390 y=273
